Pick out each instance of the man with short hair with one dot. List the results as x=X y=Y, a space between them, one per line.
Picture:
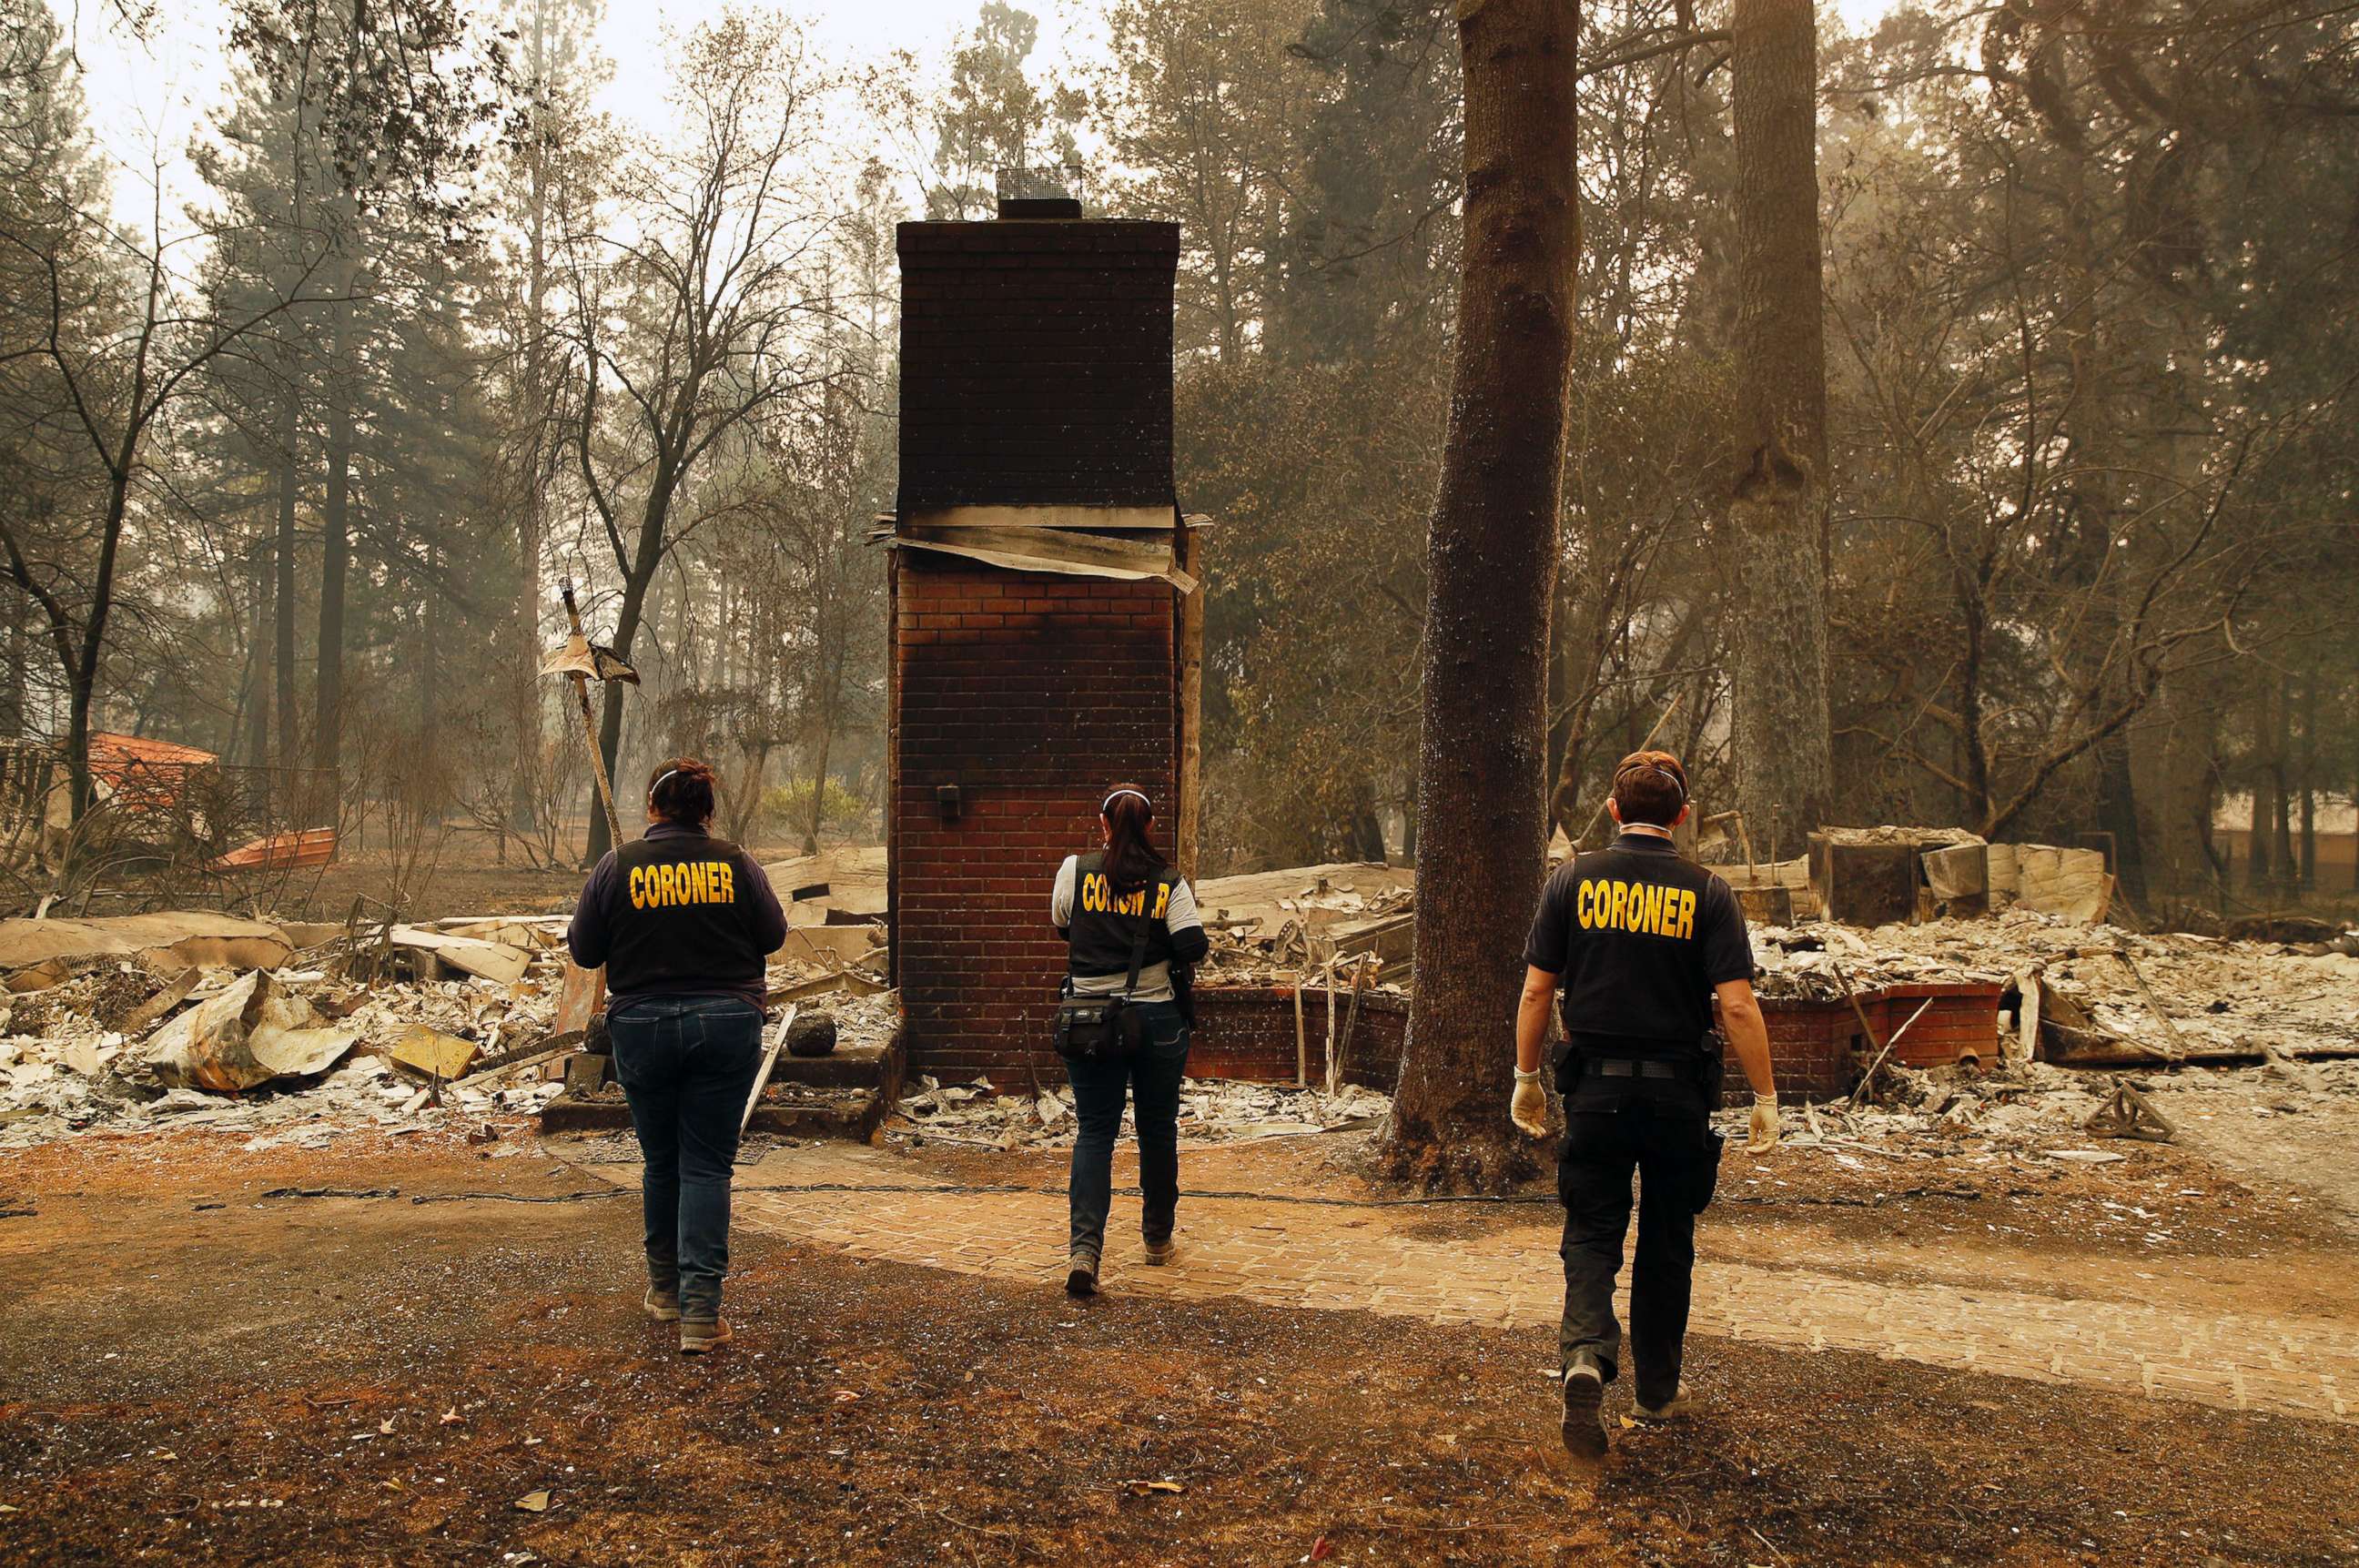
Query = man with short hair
x=1642 y=942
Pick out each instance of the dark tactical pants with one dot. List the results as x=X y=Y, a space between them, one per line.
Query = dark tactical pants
x=1152 y=1079
x=1662 y=1130
x=686 y=1065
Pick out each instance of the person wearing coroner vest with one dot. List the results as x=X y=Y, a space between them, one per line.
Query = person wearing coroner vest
x=1124 y=905
x=1642 y=943
x=684 y=923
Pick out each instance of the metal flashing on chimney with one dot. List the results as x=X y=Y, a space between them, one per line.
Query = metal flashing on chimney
x=1060 y=550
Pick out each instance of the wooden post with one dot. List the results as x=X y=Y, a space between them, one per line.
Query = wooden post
x=589 y=729
x=1191 y=633
x=1302 y=1043
x=1331 y=1023
x=762 y=1077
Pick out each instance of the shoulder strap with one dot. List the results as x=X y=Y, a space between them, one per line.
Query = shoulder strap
x=1137 y=957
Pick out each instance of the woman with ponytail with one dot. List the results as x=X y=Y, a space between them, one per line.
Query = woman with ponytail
x=1131 y=929
x=683 y=922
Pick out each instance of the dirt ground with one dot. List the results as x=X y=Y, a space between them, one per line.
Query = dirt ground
x=199 y=1369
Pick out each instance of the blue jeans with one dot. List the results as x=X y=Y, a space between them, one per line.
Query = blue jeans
x=686 y=1065
x=1152 y=1077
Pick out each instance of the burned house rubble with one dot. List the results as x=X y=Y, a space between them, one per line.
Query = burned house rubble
x=299 y=1030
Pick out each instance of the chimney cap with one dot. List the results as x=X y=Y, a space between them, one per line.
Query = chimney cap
x=1028 y=191
x=1039 y=207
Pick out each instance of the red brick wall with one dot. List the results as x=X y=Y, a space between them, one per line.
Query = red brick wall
x=1036 y=362
x=1809 y=1052
x=1962 y=1021
x=1247 y=1032
x=1818 y=1048
x=1031 y=691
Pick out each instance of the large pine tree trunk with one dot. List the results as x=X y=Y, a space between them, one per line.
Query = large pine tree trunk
x=255 y=740
x=2281 y=858
x=282 y=592
x=1491 y=560
x=1777 y=504
x=336 y=549
x=525 y=781
x=2309 y=780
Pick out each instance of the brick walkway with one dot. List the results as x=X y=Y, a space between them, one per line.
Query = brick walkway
x=1402 y=1262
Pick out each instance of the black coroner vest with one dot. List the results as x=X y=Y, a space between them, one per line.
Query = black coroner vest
x=1106 y=923
x=680 y=913
x=1634 y=965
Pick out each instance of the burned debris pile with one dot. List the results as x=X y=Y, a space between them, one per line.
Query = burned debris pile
x=1276 y=927
x=2080 y=995
x=297 y=1032
x=981 y=1114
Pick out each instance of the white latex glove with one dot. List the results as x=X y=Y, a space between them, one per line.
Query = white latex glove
x=1764 y=1129
x=1528 y=1110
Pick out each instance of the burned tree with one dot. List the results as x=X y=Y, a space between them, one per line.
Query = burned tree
x=1491 y=564
x=1776 y=501
x=691 y=324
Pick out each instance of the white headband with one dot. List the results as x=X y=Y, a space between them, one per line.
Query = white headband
x=658 y=783
x=1118 y=794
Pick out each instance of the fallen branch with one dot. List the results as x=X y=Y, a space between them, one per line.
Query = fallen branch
x=1869 y=1076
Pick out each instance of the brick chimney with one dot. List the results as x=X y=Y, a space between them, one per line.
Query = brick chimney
x=1042 y=602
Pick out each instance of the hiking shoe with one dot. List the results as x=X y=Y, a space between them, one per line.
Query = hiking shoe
x=696 y=1338
x=1677 y=1405
x=661 y=1304
x=1082 y=1274
x=1584 y=1429
x=1160 y=1253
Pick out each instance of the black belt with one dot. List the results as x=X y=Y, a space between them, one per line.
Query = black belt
x=1611 y=1069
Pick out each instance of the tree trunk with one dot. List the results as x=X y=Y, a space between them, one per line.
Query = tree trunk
x=826 y=744
x=81 y=674
x=627 y=628
x=818 y=781
x=528 y=511
x=2309 y=780
x=335 y=549
x=2281 y=859
x=1974 y=608
x=12 y=693
x=2256 y=825
x=1492 y=558
x=1783 y=751
x=2117 y=813
x=1368 y=828
x=251 y=737
x=282 y=610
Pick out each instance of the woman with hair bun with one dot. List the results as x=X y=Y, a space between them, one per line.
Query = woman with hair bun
x=1129 y=921
x=683 y=922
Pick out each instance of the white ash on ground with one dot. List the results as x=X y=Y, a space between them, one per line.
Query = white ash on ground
x=83 y=1044
x=62 y=1069
x=861 y=1023
x=2032 y=1117
x=2218 y=996
x=981 y=1114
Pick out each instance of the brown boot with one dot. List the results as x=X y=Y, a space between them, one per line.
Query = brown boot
x=661 y=1304
x=1584 y=1427
x=696 y=1338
